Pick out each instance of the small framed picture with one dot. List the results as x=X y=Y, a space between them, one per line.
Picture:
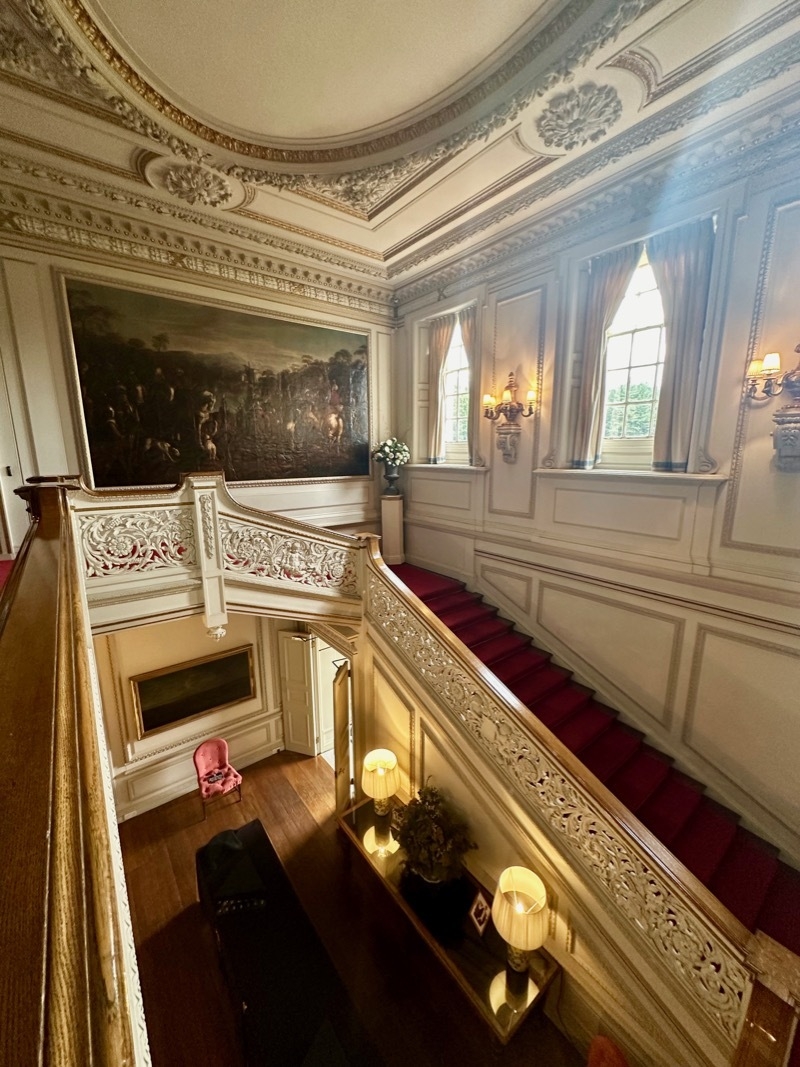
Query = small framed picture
x=480 y=912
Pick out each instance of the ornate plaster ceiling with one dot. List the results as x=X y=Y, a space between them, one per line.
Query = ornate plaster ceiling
x=302 y=73
x=386 y=139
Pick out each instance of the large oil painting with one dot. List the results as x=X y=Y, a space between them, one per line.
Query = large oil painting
x=169 y=386
x=172 y=694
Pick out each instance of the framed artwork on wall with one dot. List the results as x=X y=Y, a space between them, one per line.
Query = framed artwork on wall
x=183 y=691
x=167 y=386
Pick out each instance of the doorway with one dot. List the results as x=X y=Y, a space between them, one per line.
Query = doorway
x=316 y=691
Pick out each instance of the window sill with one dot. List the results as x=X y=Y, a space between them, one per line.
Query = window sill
x=673 y=477
x=446 y=467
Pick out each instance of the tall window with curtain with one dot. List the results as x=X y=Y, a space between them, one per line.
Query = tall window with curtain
x=644 y=319
x=451 y=357
x=456 y=389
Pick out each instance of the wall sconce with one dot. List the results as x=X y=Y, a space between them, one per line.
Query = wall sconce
x=510 y=408
x=380 y=778
x=766 y=374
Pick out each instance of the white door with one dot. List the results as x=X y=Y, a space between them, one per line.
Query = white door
x=343 y=746
x=327 y=658
x=299 y=692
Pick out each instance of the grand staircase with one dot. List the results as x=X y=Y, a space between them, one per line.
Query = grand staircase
x=742 y=870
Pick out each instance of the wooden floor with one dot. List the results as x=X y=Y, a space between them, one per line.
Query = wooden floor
x=410 y=1006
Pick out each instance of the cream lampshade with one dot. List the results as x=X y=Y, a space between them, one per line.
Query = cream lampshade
x=519 y=911
x=380 y=778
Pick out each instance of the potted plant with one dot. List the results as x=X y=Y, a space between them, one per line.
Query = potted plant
x=433 y=836
x=392 y=454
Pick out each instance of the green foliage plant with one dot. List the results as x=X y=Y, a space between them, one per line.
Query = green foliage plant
x=434 y=837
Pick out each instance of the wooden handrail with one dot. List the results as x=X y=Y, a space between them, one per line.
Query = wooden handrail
x=772 y=972
x=68 y=987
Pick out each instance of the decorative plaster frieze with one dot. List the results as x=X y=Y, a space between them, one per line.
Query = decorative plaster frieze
x=128 y=542
x=573 y=118
x=266 y=553
x=600 y=33
x=197 y=185
x=641 y=64
x=681 y=937
x=363 y=188
x=32 y=219
x=120 y=197
x=743 y=151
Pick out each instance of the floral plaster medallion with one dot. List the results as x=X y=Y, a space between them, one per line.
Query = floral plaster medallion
x=578 y=116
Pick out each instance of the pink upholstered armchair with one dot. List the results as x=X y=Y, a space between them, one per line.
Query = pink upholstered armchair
x=215 y=776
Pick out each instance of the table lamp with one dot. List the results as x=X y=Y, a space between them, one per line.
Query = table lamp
x=380 y=778
x=519 y=911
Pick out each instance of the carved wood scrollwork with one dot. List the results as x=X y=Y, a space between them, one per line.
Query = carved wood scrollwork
x=687 y=944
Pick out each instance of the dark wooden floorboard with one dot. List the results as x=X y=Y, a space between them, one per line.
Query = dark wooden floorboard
x=409 y=1004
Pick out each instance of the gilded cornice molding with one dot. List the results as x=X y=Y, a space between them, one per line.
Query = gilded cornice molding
x=730 y=149
x=34 y=219
x=363 y=190
x=640 y=63
x=756 y=148
x=604 y=30
x=56 y=218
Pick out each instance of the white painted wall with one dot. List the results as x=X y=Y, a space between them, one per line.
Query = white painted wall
x=677 y=597
x=150 y=769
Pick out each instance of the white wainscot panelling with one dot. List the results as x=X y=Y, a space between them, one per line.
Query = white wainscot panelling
x=324 y=502
x=390 y=723
x=765 y=502
x=445 y=490
x=646 y=516
x=623 y=646
x=513 y=586
x=438 y=550
x=751 y=687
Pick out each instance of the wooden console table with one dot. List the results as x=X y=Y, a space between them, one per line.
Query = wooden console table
x=477 y=961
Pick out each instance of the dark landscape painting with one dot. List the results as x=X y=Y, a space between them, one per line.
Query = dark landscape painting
x=168 y=387
x=174 y=693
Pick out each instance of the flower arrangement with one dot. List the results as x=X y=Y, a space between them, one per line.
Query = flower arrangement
x=392 y=452
x=434 y=837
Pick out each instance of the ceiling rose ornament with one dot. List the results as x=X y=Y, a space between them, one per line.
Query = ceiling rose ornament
x=578 y=116
x=197 y=185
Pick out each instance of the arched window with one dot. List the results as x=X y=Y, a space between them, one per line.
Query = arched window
x=456 y=389
x=634 y=365
x=643 y=310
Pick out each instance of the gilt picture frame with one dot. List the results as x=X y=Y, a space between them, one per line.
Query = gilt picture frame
x=166 y=386
x=183 y=691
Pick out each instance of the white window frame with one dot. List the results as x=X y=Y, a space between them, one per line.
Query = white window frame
x=631 y=453
x=457 y=451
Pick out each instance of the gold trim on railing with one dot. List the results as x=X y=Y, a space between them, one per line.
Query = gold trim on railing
x=65 y=984
x=698 y=941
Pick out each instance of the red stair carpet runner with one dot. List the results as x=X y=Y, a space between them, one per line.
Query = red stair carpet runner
x=5 y=570
x=742 y=870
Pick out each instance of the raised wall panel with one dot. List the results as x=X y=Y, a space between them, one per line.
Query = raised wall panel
x=513 y=586
x=751 y=686
x=440 y=550
x=517 y=347
x=646 y=515
x=443 y=490
x=151 y=769
x=764 y=509
x=630 y=647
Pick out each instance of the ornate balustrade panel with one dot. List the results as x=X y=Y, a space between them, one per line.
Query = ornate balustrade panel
x=137 y=541
x=700 y=955
x=195 y=541
x=282 y=556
